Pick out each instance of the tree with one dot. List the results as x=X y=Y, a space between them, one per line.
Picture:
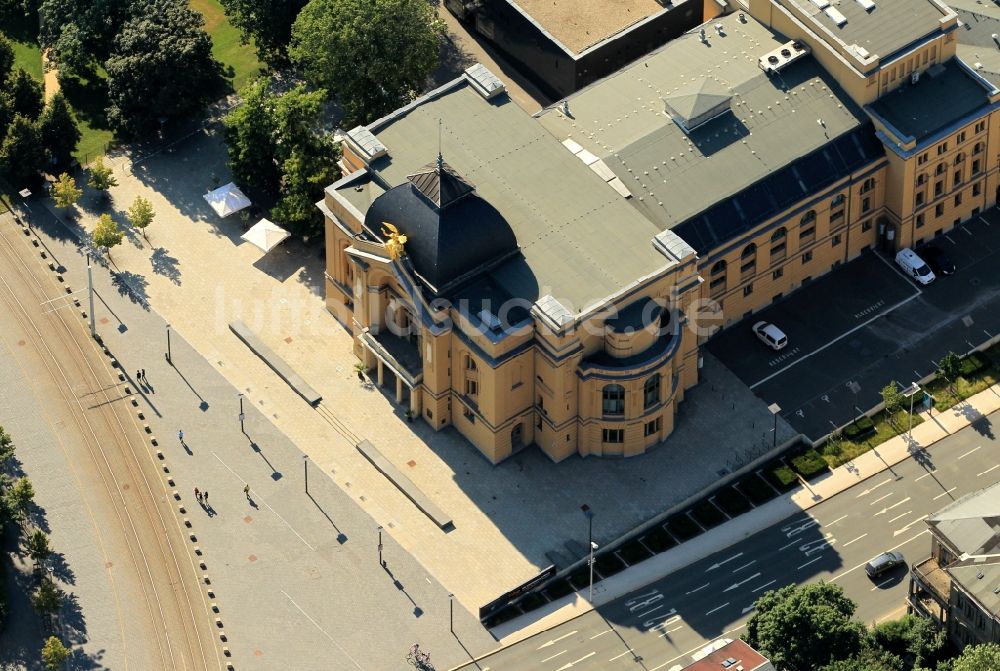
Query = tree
x=54 y=653
x=106 y=233
x=892 y=398
x=869 y=659
x=79 y=33
x=806 y=627
x=102 y=177
x=978 y=658
x=950 y=367
x=6 y=58
x=19 y=497
x=38 y=547
x=251 y=135
x=141 y=214
x=161 y=66
x=21 y=154
x=371 y=56
x=47 y=598
x=268 y=23
x=25 y=93
x=913 y=638
x=65 y=192
x=59 y=132
x=7 y=448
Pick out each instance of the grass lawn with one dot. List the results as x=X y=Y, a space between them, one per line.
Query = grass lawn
x=840 y=452
x=23 y=33
x=239 y=61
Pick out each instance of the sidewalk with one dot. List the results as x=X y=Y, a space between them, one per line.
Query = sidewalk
x=936 y=426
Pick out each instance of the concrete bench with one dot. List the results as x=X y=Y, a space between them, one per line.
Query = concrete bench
x=276 y=363
x=405 y=485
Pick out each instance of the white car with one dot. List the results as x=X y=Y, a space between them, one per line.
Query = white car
x=770 y=335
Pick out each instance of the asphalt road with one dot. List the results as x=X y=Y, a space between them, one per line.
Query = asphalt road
x=862 y=325
x=660 y=625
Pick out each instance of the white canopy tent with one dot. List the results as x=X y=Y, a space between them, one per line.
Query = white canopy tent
x=265 y=235
x=227 y=199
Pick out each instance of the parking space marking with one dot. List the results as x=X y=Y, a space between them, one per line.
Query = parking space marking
x=811 y=561
x=837 y=339
x=970 y=452
x=856 y=539
x=945 y=493
x=991 y=468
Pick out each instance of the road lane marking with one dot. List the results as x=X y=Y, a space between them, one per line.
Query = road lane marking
x=880 y=499
x=724 y=561
x=742 y=582
x=856 y=539
x=873 y=488
x=944 y=493
x=840 y=337
x=651 y=610
x=907 y=527
x=556 y=640
x=717 y=608
x=698 y=589
x=670 y=631
x=898 y=503
x=925 y=475
x=991 y=468
x=574 y=663
x=749 y=563
x=616 y=656
x=754 y=591
x=785 y=547
x=830 y=524
x=563 y=652
x=898 y=516
x=970 y=452
x=324 y=631
x=854 y=568
x=811 y=561
x=606 y=631
x=881 y=584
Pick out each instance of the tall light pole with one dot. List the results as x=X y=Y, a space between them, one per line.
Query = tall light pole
x=242 y=416
x=590 y=544
x=90 y=293
x=169 y=360
x=305 y=472
x=451 y=612
x=914 y=388
x=775 y=409
x=381 y=563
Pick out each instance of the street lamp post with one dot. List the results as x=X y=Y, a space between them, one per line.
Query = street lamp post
x=914 y=388
x=590 y=544
x=169 y=359
x=451 y=612
x=305 y=472
x=775 y=409
x=242 y=416
x=90 y=295
x=381 y=563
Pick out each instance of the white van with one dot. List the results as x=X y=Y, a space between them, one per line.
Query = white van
x=914 y=266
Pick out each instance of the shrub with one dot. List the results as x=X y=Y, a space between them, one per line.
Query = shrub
x=859 y=428
x=755 y=489
x=658 y=540
x=682 y=527
x=782 y=477
x=633 y=552
x=972 y=364
x=732 y=501
x=707 y=514
x=809 y=463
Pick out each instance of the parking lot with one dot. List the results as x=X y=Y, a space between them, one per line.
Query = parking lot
x=855 y=329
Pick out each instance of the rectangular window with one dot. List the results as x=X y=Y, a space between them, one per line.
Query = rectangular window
x=961 y=137
x=717 y=282
x=653 y=427
x=921 y=178
x=836 y=216
x=748 y=267
x=942 y=148
x=469 y=415
x=807 y=233
x=939 y=210
x=975 y=166
x=807 y=257
x=471 y=388
x=777 y=274
x=958 y=177
x=922 y=159
x=778 y=250
x=835 y=240
x=613 y=436
x=748 y=289
x=920 y=220
x=980 y=126
x=977 y=189
x=866 y=204
x=938 y=188
x=866 y=225
x=958 y=199
x=920 y=198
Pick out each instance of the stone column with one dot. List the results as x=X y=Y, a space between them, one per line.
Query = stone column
x=415 y=409
x=399 y=389
x=379 y=373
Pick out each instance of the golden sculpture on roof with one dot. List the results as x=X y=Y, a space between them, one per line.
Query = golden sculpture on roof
x=395 y=242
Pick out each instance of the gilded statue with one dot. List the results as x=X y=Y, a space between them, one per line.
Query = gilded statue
x=395 y=242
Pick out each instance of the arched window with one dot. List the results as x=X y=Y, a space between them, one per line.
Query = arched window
x=868 y=185
x=651 y=392
x=959 y=158
x=613 y=401
x=939 y=170
x=470 y=363
x=838 y=200
x=808 y=217
x=778 y=234
x=719 y=268
x=749 y=251
x=977 y=148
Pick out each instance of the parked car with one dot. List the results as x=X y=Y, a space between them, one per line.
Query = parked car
x=882 y=563
x=770 y=335
x=939 y=262
x=914 y=266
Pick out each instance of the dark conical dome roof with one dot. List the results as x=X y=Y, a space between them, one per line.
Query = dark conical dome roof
x=451 y=231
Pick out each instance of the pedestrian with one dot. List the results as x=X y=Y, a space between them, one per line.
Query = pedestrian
x=361 y=376
x=197 y=494
x=142 y=374
x=246 y=490
x=180 y=436
x=138 y=375
x=204 y=496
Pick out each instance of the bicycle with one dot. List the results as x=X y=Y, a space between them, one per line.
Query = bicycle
x=419 y=659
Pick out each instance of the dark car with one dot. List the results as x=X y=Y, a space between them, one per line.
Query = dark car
x=939 y=262
x=884 y=562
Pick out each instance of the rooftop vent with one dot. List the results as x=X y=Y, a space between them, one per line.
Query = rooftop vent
x=487 y=84
x=836 y=16
x=719 y=29
x=781 y=57
x=364 y=143
x=867 y=5
x=697 y=103
x=729 y=662
x=822 y=4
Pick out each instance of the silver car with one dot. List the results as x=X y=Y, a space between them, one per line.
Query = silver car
x=770 y=335
x=882 y=563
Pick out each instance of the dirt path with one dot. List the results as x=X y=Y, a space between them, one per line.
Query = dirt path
x=50 y=77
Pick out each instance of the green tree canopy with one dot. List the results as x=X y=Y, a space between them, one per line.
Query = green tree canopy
x=59 y=131
x=25 y=93
x=371 y=55
x=106 y=233
x=21 y=153
x=950 y=366
x=267 y=22
x=6 y=58
x=102 y=177
x=79 y=33
x=912 y=638
x=978 y=658
x=37 y=546
x=251 y=136
x=161 y=67
x=18 y=498
x=892 y=397
x=803 y=628
x=54 y=653
x=140 y=214
x=869 y=659
x=48 y=598
x=65 y=192
x=7 y=449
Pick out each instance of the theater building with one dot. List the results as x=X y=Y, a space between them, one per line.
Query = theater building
x=548 y=280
